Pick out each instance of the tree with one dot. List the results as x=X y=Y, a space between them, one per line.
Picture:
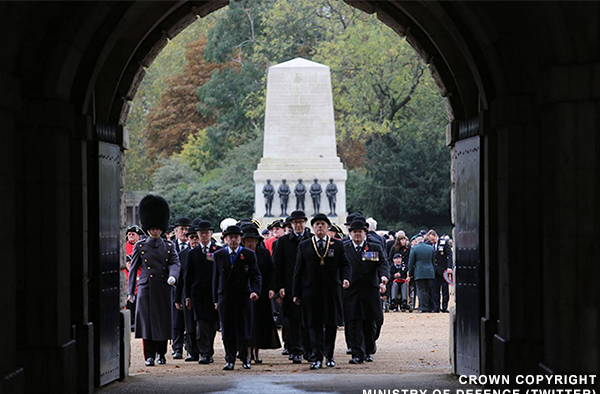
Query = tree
x=177 y=116
x=139 y=166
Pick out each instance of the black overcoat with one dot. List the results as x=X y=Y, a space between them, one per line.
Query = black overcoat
x=158 y=260
x=198 y=282
x=284 y=257
x=181 y=293
x=264 y=332
x=319 y=287
x=232 y=285
x=361 y=299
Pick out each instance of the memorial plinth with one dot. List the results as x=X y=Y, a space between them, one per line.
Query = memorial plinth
x=299 y=138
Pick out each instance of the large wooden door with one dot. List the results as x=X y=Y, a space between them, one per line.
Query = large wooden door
x=108 y=317
x=468 y=290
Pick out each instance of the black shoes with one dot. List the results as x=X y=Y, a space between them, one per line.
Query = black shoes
x=246 y=364
x=369 y=358
x=349 y=351
x=191 y=358
x=177 y=356
x=330 y=363
x=228 y=367
x=316 y=365
x=161 y=359
x=445 y=311
x=204 y=360
x=285 y=352
x=355 y=360
x=149 y=362
x=297 y=359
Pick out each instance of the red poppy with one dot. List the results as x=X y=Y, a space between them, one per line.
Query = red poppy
x=242 y=257
x=366 y=247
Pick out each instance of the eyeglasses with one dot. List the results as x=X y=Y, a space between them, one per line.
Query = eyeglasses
x=193 y=237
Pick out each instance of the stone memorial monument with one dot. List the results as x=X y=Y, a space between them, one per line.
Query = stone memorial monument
x=299 y=137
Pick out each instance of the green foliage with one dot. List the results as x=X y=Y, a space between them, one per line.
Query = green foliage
x=221 y=192
x=390 y=119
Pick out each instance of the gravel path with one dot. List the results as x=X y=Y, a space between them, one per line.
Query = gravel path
x=409 y=342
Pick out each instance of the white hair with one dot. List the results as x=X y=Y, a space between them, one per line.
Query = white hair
x=226 y=223
x=372 y=224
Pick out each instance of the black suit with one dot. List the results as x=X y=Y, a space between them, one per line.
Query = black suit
x=284 y=257
x=362 y=305
x=234 y=279
x=180 y=296
x=319 y=287
x=198 y=287
x=177 y=318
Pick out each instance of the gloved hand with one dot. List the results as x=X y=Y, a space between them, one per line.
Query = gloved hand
x=171 y=280
x=131 y=298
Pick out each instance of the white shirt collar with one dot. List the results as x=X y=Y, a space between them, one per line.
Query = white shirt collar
x=356 y=246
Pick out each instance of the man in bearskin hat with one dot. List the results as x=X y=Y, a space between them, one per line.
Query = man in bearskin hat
x=236 y=283
x=322 y=270
x=160 y=267
x=198 y=289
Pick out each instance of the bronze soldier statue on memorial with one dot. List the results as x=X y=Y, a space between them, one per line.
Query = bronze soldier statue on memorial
x=284 y=194
x=300 y=192
x=268 y=192
x=315 y=193
x=331 y=191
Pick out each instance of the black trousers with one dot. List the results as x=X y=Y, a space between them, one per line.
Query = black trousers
x=424 y=290
x=295 y=336
x=350 y=335
x=363 y=338
x=239 y=346
x=206 y=330
x=322 y=341
x=151 y=348
x=439 y=285
x=178 y=339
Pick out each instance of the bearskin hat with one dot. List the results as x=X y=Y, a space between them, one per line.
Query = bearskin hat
x=154 y=212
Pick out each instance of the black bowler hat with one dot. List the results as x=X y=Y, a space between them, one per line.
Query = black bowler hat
x=320 y=216
x=358 y=224
x=251 y=232
x=297 y=215
x=191 y=230
x=154 y=212
x=287 y=223
x=204 y=225
x=349 y=219
x=183 y=222
x=196 y=221
x=232 y=230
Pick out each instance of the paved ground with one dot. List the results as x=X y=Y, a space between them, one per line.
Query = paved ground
x=412 y=354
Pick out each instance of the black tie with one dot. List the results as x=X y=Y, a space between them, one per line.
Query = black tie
x=321 y=246
x=358 y=249
x=205 y=250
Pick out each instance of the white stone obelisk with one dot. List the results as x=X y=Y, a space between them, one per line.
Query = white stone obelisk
x=299 y=138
